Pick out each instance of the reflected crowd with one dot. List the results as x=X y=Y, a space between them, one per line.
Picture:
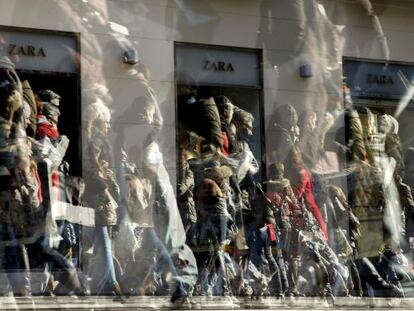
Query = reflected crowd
x=288 y=225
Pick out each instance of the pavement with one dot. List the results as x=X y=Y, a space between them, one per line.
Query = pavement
x=202 y=303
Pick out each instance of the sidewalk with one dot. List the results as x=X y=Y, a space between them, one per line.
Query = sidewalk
x=203 y=303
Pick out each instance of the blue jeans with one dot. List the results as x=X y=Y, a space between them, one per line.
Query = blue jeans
x=102 y=265
x=221 y=221
x=259 y=244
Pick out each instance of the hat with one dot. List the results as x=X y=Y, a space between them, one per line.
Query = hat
x=286 y=116
x=50 y=96
x=224 y=104
x=242 y=118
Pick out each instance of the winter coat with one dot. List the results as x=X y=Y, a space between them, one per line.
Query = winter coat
x=281 y=144
x=203 y=118
x=21 y=214
x=185 y=188
x=29 y=98
x=348 y=140
x=102 y=189
x=366 y=187
x=357 y=135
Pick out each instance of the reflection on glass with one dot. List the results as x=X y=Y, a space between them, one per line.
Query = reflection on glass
x=155 y=155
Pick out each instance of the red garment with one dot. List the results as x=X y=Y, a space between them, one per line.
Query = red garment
x=55 y=178
x=225 y=148
x=49 y=130
x=272 y=232
x=45 y=128
x=305 y=189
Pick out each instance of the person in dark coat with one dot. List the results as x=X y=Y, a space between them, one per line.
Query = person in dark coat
x=202 y=117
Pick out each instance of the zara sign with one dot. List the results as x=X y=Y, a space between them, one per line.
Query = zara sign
x=26 y=50
x=217 y=66
x=41 y=50
x=369 y=79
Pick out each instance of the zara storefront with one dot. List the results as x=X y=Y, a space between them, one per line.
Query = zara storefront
x=260 y=54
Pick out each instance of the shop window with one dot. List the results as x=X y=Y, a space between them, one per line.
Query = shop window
x=217 y=72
